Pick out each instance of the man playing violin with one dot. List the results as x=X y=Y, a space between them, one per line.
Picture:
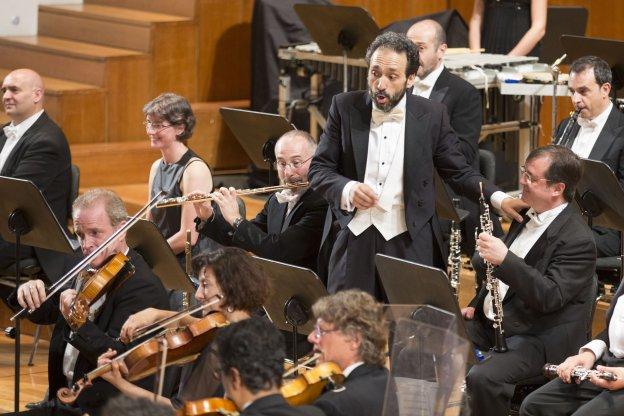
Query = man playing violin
x=289 y=227
x=350 y=331
x=228 y=278
x=76 y=343
x=251 y=360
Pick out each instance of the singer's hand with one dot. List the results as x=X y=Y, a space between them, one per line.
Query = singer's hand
x=363 y=197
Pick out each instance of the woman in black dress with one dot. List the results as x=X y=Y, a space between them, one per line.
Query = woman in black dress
x=512 y=27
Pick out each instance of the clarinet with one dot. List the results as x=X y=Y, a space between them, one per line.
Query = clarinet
x=580 y=373
x=564 y=139
x=454 y=257
x=491 y=282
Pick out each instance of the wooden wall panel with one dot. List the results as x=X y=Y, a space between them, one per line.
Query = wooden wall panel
x=385 y=12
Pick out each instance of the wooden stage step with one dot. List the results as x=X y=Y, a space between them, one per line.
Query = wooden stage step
x=212 y=138
x=180 y=7
x=77 y=108
x=123 y=73
x=169 y=39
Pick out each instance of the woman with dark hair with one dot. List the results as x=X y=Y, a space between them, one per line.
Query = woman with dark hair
x=169 y=123
x=228 y=273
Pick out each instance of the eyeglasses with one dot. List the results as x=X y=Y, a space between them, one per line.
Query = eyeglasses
x=527 y=176
x=155 y=127
x=295 y=164
x=320 y=332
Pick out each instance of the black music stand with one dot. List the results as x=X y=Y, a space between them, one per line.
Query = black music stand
x=601 y=199
x=257 y=133
x=445 y=207
x=339 y=30
x=30 y=221
x=610 y=50
x=561 y=21
x=145 y=238
x=295 y=291
x=409 y=283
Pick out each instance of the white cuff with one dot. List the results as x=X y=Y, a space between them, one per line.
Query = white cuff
x=345 y=199
x=596 y=346
x=497 y=199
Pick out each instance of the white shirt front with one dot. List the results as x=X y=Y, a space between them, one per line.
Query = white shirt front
x=522 y=244
x=19 y=129
x=589 y=132
x=384 y=174
x=616 y=334
x=424 y=87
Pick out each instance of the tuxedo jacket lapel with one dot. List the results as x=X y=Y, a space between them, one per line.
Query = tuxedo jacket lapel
x=605 y=138
x=360 y=131
x=276 y=215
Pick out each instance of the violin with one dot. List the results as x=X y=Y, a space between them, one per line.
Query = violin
x=309 y=385
x=116 y=270
x=209 y=407
x=183 y=345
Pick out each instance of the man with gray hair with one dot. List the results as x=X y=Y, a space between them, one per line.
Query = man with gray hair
x=82 y=334
x=290 y=226
x=462 y=101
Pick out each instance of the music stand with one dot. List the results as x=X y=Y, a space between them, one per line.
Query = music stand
x=256 y=132
x=445 y=208
x=296 y=289
x=601 y=198
x=561 y=21
x=610 y=50
x=30 y=221
x=146 y=240
x=339 y=30
x=406 y=282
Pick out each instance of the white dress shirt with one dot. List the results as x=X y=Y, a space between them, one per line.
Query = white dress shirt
x=350 y=368
x=14 y=133
x=522 y=244
x=423 y=87
x=589 y=132
x=616 y=334
x=384 y=174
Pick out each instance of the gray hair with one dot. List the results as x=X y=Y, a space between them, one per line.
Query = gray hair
x=114 y=206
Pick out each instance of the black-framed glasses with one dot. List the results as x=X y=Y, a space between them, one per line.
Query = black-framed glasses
x=295 y=164
x=530 y=179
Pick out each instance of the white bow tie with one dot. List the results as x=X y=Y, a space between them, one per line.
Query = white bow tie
x=585 y=123
x=286 y=195
x=380 y=116
x=534 y=221
x=10 y=132
x=421 y=85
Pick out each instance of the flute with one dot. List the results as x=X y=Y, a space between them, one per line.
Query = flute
x=172 y=202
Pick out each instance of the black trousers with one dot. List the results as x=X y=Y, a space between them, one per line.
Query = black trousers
x=491 y=383
x=584 y=399
x=352 y=261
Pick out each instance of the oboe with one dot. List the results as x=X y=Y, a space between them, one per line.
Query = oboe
x=454 y=257
x=580 y=373
x=564 y=139
x=491 y=282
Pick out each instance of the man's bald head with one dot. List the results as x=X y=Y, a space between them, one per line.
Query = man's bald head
x=430 y=38
x=22 y=94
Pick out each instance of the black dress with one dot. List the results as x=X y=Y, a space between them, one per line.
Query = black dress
x=168 y=178
x=505 y=22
